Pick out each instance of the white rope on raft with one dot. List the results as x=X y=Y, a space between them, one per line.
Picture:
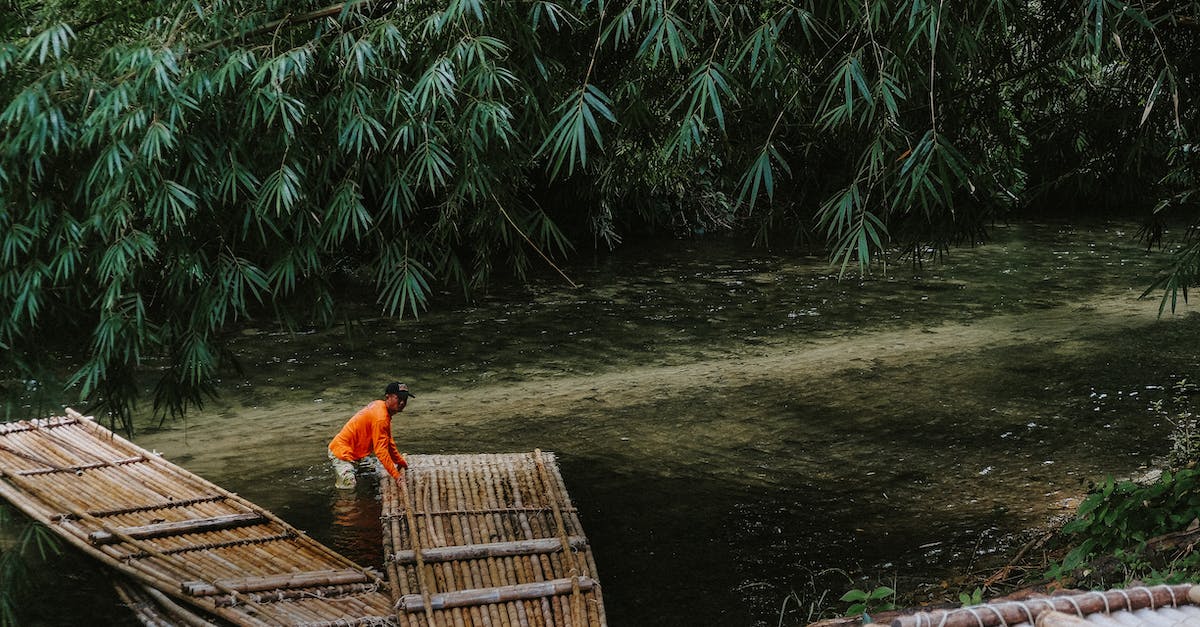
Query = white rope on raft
x=1030 y=608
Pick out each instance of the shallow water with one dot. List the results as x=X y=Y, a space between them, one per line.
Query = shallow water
x=734 y=426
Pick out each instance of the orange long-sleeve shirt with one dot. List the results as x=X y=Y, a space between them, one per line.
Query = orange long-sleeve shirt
x=369 y=431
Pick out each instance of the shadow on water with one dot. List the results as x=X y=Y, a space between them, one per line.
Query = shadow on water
x=736 y=426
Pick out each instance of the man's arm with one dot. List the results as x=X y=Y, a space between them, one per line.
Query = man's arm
x=385 y=448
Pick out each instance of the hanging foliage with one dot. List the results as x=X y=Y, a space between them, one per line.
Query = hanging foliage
x=170 y=168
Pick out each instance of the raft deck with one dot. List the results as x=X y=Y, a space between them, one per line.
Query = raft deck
x=177 y=533
x=488 y=540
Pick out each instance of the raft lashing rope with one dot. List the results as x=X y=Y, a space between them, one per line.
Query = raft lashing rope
x=1081 y=605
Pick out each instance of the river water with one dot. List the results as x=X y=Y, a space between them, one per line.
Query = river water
x=745 y=435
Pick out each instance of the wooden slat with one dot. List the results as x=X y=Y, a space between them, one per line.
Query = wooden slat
x=195 y=525
x=284 y=581
x=35 y=425
x=491 y=549
x=209 y=546
x=500 y=594
x=78 y=470
x=149 y=507
x=487 y=511
x=278 y=595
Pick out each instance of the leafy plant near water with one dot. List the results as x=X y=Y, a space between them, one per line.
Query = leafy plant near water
x=1110 y=532
x=29 y=537
x=864 y=603
x=1178 y=411
x=968 y=599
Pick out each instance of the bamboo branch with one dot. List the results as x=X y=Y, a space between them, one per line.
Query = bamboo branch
x=290 y=20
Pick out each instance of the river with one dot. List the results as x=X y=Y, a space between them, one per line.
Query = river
x=745 y=435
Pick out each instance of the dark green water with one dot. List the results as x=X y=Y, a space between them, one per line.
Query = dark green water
x=736 y=427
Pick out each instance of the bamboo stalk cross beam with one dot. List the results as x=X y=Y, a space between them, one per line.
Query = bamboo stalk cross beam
x=285 y=581
x=279 y=595
x=500 y=594
x=80 y=468
x=100 y=513
x=491 y=549
x=195 y=525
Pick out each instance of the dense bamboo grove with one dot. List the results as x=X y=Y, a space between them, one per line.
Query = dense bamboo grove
x=169 y=168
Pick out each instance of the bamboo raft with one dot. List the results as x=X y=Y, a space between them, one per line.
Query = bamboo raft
x=186 y=542
x=469 y=539
x=488 y=540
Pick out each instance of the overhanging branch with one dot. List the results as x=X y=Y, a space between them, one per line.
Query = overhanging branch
x=290 y=20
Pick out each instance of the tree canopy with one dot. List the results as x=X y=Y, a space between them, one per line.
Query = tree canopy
x=168 y=168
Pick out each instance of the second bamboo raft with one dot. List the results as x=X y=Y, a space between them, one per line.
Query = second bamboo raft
x=488 y=540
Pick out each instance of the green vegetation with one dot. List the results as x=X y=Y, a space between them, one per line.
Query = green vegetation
x=975 y=597
x=1142 y=531
x=864 y=603
x=170 y=168
x=14 y=560
x=1123 y=532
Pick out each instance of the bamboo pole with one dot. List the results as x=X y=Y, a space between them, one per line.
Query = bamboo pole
x=1013 y=612
x=465 y=535
x=412 y=530
x=519 y=570
x=492 y=492
x=474 y=526
x=492 y=568
x=595 y=604
x=65 y=440
x=522 y=614
x=442 y=493
x=132 y=593
x=491 y=530
x=135 y=509
x=516 y=492
x=568 y=554
x=396 y=576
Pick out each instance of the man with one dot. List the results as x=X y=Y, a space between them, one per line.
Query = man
x=370 y=431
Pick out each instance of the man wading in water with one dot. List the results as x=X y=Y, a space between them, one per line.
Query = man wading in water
x=370 y=431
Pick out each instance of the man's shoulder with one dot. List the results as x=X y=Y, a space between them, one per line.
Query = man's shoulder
x=372 y=408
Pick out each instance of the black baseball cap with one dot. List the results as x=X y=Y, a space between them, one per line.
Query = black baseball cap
x=399 y=389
